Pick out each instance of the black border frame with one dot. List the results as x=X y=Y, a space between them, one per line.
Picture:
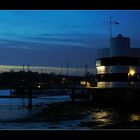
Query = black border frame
x=70 y=4
x=78 y=5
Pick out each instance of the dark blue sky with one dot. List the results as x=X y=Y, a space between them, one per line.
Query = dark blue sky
x=53 y=37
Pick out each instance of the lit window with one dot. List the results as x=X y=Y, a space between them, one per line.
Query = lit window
x=131 y=72
x=101 y=69
x=83 y=82
x=88 y=85
x=98 y=63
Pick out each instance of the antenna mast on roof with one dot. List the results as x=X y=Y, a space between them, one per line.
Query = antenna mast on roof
x=110 y=24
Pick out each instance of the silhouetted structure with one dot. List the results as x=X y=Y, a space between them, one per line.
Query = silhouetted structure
x=119 y=65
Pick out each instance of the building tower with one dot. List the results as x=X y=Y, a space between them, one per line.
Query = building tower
x=119 y=69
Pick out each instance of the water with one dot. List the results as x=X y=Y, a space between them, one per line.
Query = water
x=17 y=108
x=5 y=92
x=14 y=114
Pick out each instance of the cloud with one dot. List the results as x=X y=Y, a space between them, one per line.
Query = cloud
x=69 y=39
x=53 y=56
x=21 y=44
x=52 y=50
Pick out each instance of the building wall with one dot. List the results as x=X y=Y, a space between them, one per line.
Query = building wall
x=132 y=52
x=114 y=76
x=120 y=47
x=105 y=52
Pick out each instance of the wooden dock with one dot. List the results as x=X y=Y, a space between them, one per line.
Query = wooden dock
x=94 y=94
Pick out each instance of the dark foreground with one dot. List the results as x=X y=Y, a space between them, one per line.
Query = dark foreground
x=81 y=115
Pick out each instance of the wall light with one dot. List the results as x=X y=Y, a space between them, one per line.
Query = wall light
x=131 y=72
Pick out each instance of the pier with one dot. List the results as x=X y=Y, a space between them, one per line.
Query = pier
x=31 y=85
x=93 y=94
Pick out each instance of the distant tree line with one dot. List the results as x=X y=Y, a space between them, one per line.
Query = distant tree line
x=11 y=79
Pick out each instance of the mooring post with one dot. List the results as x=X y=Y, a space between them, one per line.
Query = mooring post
x=10 y=92
x=128 y=95
x=23 y=90
x=72 y=95
x=91 y=97
x=30 y=99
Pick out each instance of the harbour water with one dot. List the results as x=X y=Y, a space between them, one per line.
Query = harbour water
x=59 y=113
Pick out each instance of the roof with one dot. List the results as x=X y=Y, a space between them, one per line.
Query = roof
x=119 y=36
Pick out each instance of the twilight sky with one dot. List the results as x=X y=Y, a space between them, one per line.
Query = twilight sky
x=55 y=37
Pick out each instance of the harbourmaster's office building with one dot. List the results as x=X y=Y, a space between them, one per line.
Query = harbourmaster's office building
x=119 y=65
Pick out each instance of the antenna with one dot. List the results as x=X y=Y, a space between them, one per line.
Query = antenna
x=23 y=67
x=67 y=68
x=110 y=23
x=61 y=69
x=28 y=67
x=86 y=69
x=76 y=71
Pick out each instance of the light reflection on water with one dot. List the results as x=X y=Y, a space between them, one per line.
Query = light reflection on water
x=134 y=117
x=12 y=108
x=102 y=116
x=5 y=92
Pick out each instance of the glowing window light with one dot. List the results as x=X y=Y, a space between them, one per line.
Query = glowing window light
x=39 y=86
x=83 y=82
x=88 y=85
x=101 y=69
x=131 y=72
x=135 y=117
x=98 y=63
x=102 y=116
